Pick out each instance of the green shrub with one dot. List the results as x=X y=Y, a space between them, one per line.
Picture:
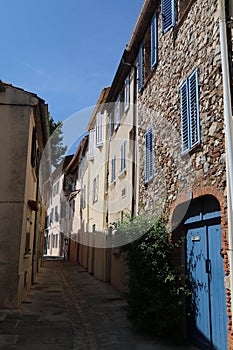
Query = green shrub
x=155 y=294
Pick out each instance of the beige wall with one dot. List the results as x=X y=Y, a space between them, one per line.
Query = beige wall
x=17 y=185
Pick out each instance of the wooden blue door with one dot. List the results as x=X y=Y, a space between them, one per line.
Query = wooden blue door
x=207 y=324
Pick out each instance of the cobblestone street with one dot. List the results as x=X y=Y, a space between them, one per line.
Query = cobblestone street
x=69 y=309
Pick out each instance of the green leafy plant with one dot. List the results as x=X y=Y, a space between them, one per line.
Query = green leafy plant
x=155 y=293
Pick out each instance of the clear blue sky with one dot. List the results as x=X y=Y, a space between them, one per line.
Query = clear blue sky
x=66 y=51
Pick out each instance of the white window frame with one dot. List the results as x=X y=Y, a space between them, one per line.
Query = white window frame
x=117 y=112
x=95 y=189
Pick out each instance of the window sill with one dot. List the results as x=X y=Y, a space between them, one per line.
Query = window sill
x=191 y=151
x=113 y=184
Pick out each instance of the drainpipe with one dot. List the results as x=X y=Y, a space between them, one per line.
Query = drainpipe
x=228 y=131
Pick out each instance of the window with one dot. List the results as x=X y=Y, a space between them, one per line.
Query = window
x=91 y=144
x=95 y=188
x=154 y=41
x=117 y=112
x=190 y=114
x=123 y=157
x=127 y=93
x=56 y=214
x=52 y=215
x=113 y=174
x=140 y=69
x=110 y=125
x=168 y=14
x=83 y=197
x=149 y=155
x=99 y=129
x=56 y=241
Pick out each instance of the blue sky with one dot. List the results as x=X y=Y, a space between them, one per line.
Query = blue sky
x=66 y=51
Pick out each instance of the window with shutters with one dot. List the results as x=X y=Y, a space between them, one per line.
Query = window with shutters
x=154 y=41
x=117 y=112
x=99 y=129
x=91 y=144
x=127 y=94
x=123 y=157
x=190 y=112
x=110 y=125
x=95 y=189
x=148 y=53
x=113 y=173
x=168 y=15
x=83 y=197
x=149 y=155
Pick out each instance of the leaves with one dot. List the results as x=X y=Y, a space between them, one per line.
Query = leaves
x=56 y=141
x=155 y=295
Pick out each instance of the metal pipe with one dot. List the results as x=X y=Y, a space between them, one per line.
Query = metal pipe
x=228 y=130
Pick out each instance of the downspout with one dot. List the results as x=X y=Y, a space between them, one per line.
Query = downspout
x=228 y=131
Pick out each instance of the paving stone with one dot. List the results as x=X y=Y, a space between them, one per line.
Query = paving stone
x=69 y=309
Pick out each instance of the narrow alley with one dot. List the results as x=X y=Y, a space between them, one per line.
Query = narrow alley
x=69 y=309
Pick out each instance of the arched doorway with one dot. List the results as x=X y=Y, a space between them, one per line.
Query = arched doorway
x=206 y=308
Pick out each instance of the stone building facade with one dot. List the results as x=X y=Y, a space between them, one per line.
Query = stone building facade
x=181 y=126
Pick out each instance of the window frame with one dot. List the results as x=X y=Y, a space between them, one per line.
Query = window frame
x=113 y=169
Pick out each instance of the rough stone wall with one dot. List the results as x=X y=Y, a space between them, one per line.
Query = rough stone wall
x=193 y=43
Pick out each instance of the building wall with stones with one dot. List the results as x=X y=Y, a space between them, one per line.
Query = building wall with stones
x=193 y=42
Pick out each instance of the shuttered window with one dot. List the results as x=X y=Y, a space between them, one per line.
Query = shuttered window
x=99 y=129
x=113 y=174
x=190 y=112
x=117 y=112
x=168 y=14
x=91 y=144
x=154 y=40
x=140 y=69
x=127 y=93
x=123 y=157
x=149 y=155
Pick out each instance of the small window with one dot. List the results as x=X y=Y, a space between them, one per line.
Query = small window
x=154 y=41
x=113 y=173
x=91 y=144
x=190 y=112
x=168 y=15
x=99 y=129
x=127 y=93
x=149 y=155
x=123 y=157
x=56 y=214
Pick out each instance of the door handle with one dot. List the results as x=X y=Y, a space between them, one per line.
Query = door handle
x=208 y=265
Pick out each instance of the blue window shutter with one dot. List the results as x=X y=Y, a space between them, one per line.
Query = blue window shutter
x=149 y=155
x=140 y=69
x=154 y=40
x=168 y=15
x=194 y=116
x=184 y=117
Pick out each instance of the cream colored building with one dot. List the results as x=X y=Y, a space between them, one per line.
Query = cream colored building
x=24 y=132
